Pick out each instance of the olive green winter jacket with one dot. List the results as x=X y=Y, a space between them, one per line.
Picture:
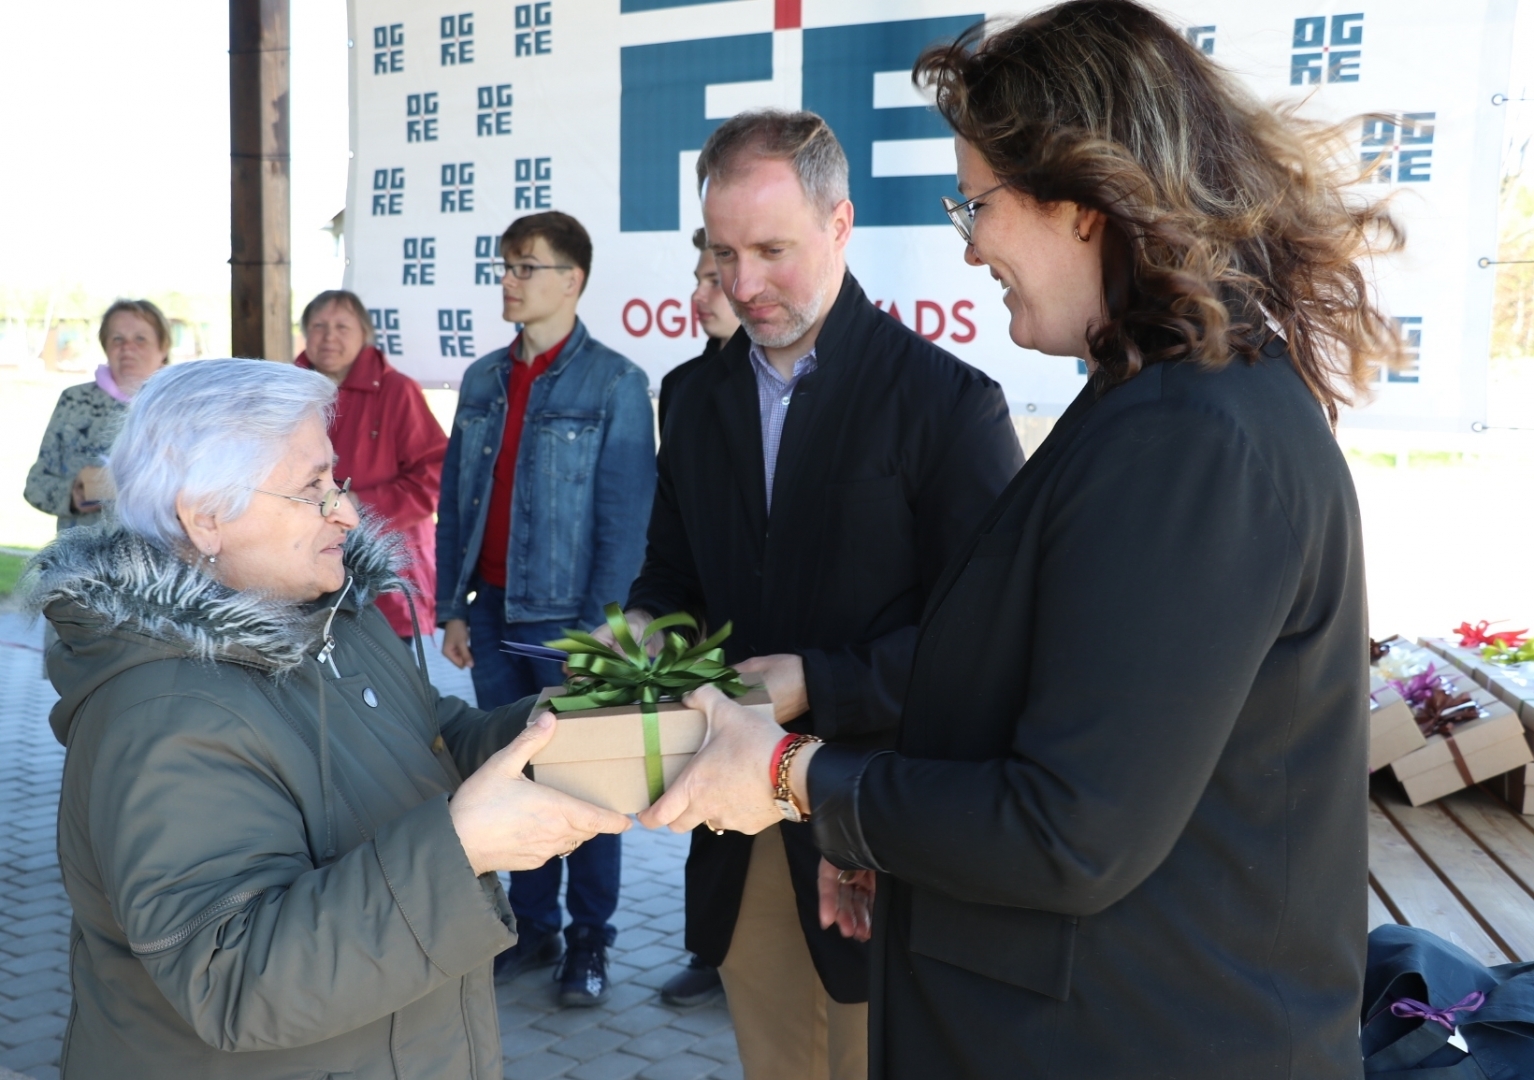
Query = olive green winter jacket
x=256 y=843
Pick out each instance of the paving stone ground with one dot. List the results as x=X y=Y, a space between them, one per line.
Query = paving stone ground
x=632 y=1036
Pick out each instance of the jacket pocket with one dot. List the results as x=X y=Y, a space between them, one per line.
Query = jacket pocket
x=1018 y=946
x=568 y=443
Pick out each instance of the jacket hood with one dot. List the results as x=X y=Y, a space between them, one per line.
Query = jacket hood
x=116 y=600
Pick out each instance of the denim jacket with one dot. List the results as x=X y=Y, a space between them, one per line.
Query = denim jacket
x=584 y=484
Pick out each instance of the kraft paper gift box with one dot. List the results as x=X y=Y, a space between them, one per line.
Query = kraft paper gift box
x=1393 y=731
x=1467 y=660
x=1515 y=686
x=598 y=755
x=1476 y=750
x=1515 y=788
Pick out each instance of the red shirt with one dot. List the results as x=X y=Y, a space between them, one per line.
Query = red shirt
x=387 y=440
x=492 y=551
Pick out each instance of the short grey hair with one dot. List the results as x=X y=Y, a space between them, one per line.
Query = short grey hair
x=210 y=430
x=802 y=139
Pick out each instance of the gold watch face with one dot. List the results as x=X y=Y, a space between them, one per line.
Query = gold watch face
x=789 y=811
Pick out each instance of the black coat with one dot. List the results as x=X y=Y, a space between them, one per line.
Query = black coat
x=679 y=374
x=891 y=453
x=1124 y=833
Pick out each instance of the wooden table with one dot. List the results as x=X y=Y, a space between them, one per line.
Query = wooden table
x=1461 y=867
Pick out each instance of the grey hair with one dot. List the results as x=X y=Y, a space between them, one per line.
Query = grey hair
x=802 y=139
x=210 y=430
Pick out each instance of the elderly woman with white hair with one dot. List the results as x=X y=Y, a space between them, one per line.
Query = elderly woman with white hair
x=265 y=830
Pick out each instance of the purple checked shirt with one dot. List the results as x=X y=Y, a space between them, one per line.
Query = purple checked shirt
x=773 y=395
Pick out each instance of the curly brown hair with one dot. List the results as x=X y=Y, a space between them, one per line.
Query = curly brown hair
x=1222 y=212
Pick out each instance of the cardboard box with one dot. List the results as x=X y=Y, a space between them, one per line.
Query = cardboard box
x=598 y=754
x=1489 y=746
x=1393 y=731
x=1467 y=660
x=1516 y=788
x=1514 y=686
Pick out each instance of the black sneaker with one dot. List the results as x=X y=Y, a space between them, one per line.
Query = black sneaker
x=534 y=949
x=583 y=975
x=693 y=985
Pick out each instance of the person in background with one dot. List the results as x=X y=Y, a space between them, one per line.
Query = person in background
x=1124 y=832
x=69 y=479
x=711 y=310
x=872 y=454
x=386 y=440
x=546 y=490
x=699 y=981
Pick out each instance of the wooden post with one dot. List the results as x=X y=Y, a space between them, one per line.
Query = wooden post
x=261 y=293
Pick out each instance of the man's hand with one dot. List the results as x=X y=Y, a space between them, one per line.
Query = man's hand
x=638 y=620
x=455 y=643
x=783 y=674
x=507 y=822
x=847 y=899
x=726 y=782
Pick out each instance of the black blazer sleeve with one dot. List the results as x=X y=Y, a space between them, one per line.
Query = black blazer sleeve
x=859 y=690
x=668 y=580
x=1165 y=568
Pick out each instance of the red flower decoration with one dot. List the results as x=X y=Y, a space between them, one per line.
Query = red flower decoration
x=1473 y=636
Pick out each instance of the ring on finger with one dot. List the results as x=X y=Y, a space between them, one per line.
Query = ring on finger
x=846 y=877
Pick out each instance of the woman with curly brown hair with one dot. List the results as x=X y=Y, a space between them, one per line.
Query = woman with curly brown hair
x=1123 y=834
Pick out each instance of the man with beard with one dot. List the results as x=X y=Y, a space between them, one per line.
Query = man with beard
x=813 y=481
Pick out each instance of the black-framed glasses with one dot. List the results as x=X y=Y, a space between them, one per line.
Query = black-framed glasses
x=962 y=214
x=327 y=503
x=522 y=271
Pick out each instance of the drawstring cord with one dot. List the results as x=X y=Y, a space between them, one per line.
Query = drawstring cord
x=326 y=655
x=330 y=642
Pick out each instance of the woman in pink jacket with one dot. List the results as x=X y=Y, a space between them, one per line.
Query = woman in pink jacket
x=386 y=440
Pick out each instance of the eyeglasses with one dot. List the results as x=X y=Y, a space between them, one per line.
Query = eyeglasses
x=962 y=214
x=327 y=504
x=524 y=270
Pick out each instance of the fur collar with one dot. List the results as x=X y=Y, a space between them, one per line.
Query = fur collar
x=122 y=581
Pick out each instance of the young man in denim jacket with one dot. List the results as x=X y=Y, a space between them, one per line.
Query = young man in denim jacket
x=546 y=493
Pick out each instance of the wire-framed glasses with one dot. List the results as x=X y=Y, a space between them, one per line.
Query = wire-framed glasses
x=327 y=503
x=962 y=214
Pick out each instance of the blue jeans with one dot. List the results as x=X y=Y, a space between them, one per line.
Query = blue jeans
x=595 y=867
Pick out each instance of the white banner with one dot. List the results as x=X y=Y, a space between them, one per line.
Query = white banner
x=466 y=116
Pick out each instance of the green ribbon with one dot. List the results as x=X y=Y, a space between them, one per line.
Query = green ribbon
x=1500 y=652
x=603 y=676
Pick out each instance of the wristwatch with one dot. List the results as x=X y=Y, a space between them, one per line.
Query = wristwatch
x=778 y=772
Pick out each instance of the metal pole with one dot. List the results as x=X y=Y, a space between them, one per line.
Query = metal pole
x=261 y=294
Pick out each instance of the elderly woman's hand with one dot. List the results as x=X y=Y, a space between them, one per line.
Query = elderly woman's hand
x=507 y=822
x=726 y=783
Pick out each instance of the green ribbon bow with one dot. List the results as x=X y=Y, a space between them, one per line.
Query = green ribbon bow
x=601 y=675
x=1499 y=652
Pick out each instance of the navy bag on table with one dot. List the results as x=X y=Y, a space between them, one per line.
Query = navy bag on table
x=1420 y=992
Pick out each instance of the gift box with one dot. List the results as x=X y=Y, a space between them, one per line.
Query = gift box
x=1467 y=753
x=1393 y=731
x=598 y=755
x=1467 y=660
x=622 y=733
x=1516 y=788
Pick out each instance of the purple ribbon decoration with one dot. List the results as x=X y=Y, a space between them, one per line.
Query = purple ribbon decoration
x=1409 y=1007
x=1419 y=688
